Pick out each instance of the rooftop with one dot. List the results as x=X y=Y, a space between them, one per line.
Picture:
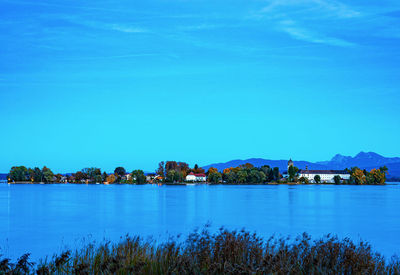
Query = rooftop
x=323 y=172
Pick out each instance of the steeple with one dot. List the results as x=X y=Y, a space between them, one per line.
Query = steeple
x=290 y=163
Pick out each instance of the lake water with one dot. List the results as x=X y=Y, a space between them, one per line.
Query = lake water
x=43 y=219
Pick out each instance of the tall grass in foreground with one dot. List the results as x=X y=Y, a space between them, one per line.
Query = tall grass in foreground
x=226 y=252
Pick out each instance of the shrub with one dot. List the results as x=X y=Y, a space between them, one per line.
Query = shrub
x=226 y=252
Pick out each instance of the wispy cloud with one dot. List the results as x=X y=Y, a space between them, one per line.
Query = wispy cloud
x=308 y=20
x=123 y=56
x=326 y=8
x=123 y=28
x=291 y=28
x=119 y=27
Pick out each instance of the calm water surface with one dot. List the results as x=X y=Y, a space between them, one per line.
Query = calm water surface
x=43 y=219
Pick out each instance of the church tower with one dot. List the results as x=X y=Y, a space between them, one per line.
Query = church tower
x=290 y=163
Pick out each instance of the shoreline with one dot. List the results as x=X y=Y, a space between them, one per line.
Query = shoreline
x=196 y=183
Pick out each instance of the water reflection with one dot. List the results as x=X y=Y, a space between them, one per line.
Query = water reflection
x=42 y=219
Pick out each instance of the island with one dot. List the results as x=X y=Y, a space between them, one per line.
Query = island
x=179 y=173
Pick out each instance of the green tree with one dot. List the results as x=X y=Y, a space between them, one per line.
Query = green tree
x=256 y=176
x=120 y=171
x=48 y=175
x=384 y=170
x=104 y=177
x=303 y=180
x=292 y=172
x=317 y=179
x=36 y=174
x=138 y=176
x=231 y=177
x=276 y=174
x=18 y=173
x=215 y=177
x=268 y=173
x=174 y=176
x=98 y=179
x=242 y=176
x=337 y=179
x=92 y=174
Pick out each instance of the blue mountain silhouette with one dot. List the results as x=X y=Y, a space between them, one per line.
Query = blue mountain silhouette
x=363 y=160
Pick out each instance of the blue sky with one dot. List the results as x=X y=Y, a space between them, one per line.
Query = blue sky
x=109 y=83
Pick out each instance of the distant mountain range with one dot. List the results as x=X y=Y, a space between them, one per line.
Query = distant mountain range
x=362 y=160
x=3 y=176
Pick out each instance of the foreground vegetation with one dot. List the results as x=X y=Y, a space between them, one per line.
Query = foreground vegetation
x=226 y=252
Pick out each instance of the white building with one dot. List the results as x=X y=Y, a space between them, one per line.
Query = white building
x=191 y=177
x=196 y=177
x=326 y=175
x=201 y=177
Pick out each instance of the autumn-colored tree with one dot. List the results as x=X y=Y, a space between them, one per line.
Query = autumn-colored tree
x=227 y=170
x=233 y=169
x=183 y=167
x=160 y=171
x=198 y=170
x=358 y=176
x=212 y=170
x=376 y=176
x=111 y=178
x=170 y=165
x=247 y=166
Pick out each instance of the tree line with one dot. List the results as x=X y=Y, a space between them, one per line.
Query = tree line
x=173 y=171
x=373 y=177
x=176 y=172
x=357 y=176
x=86 y=175
x=244 y=174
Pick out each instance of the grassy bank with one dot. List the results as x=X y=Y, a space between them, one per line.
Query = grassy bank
x=226 y=252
